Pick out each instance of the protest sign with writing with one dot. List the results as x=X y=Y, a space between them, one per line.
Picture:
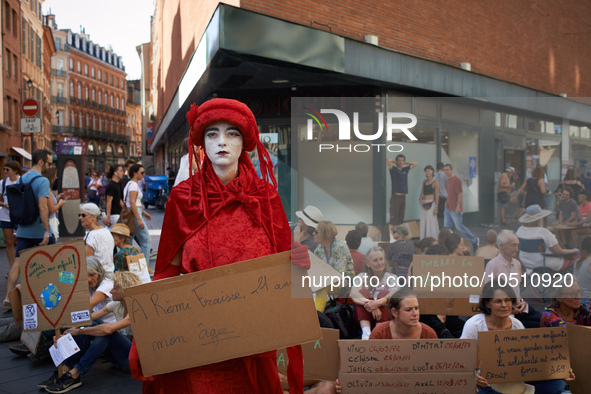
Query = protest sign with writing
x=579 y=343
x=524 y=355
x=448 y=285
x=408 y=366
x=220 y=314
x=55 y=286
x=321 y=357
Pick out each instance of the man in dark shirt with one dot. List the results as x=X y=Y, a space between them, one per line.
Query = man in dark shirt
x=587 y=180
x=125 y=177
x=113 y=195
x=399 y=169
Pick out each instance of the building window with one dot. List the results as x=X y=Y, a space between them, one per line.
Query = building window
x=78 y=68
x=58 y=44
x=99 y=74
x=100 y=101
x=100 y=124
x=7 y=61
x=106 y=77
x=14 y=67
x=117 y=103
x=79 y=90
x=87 y=120
x=60 y=118
x=71 y=89
x=122 y=105
x=80 y=118
x=71 y=65
x=86 y=70
x=60 y=64
x=106 y=99
x=111 y=101
x=73 y=119
x=94 y=122
x=92 y=72
x=7 y=16
x=111 y=80
x=86 y=92
x=14 y=23
x=24 y=35
x=60 y=90
x=93 y=95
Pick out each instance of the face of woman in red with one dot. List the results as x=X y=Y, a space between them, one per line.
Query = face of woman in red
x=223 y=144
x=408 y=313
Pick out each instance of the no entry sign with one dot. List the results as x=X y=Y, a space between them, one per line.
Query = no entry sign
x=30 y=107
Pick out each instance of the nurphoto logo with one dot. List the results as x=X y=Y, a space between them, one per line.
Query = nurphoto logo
x=391 y=119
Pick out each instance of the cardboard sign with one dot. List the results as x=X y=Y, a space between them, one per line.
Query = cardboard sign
x=579 y=343
x=17 y=305
x=321 y=357
x=137 y=264
x=220 y=314
x=449 y=285
x=413 y=229
x=524 y=355
x=54 y=287
x=408 y=366
x=319 y=270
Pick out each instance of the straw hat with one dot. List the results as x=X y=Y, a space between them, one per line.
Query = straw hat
x=121 y=229
x=513 y=388
x=310 y=216
x=534 y=213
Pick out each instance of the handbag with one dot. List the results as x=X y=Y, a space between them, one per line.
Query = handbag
x=427 y=205
x=126 y=217
x=91 y=194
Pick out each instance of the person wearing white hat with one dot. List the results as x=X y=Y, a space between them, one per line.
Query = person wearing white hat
x=504 y=187
x=308 y=219
x=532 y=229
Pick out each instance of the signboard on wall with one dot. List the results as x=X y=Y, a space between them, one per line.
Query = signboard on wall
x=149 y=137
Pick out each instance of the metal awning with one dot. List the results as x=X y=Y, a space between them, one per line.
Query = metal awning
x=22 y=152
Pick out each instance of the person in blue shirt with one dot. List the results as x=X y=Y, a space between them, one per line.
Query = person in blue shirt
x=587 y=180
x=37 y=233
x=399 y=169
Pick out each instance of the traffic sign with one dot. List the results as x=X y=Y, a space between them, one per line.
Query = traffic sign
x=30 y=107
x=30 y=125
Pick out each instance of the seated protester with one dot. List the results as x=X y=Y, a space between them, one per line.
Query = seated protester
x=496 y=303
x=488 y=251
x=400 y=252
x=443 y=234
x=582 y=270
x=334 y=252
x=371 y=298
x=506 y=264
x=122 y=238
x=455 y=246
x=425 y=244
x=565 y=306
x=568 y=210
x=404 y=319
x=99 y=287
x=303 y=232
x=97 y=340
x=353 y=240
x=584 y=217
x=366 y=242
x=532 y=229
x=436 y=250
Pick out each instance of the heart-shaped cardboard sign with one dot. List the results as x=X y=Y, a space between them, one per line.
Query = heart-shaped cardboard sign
x=55 y=288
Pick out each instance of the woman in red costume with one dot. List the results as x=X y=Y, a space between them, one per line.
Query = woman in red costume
x=222 y=215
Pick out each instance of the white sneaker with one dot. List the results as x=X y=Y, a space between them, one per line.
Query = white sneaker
x=365 y=336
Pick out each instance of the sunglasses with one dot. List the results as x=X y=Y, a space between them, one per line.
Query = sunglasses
x=7 y=169
x=142 y=172
x=83 y=215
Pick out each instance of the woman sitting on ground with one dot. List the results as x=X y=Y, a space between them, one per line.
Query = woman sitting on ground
x=565 y=305
x=99 y=287
x=455 y=245
x=98 y=241
x=110 y=340
x=490 y=250
x=404 y=319
x=400 y=252
x=122 y=238
x=377 y=286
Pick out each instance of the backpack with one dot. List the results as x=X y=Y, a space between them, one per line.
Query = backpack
x=24 y=207
x=341 y=316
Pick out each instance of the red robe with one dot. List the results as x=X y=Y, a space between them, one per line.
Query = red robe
x=244 y=220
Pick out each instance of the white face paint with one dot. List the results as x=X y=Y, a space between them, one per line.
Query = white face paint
x=223 y=144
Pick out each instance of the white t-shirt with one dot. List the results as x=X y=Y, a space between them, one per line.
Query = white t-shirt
x=119 y=311
x=102 y=242
x=4 y=213
x=477 y=323
x=133 y=187
x=105 y=288
x=536 y=260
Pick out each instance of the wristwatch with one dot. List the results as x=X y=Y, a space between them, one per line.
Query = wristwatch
x=48 y=234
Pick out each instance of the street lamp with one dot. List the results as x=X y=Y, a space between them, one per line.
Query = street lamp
x=29 y=85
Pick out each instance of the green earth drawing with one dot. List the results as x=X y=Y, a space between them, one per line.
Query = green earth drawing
x=50 y=296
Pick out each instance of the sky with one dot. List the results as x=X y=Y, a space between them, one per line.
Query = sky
x=123 y=24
